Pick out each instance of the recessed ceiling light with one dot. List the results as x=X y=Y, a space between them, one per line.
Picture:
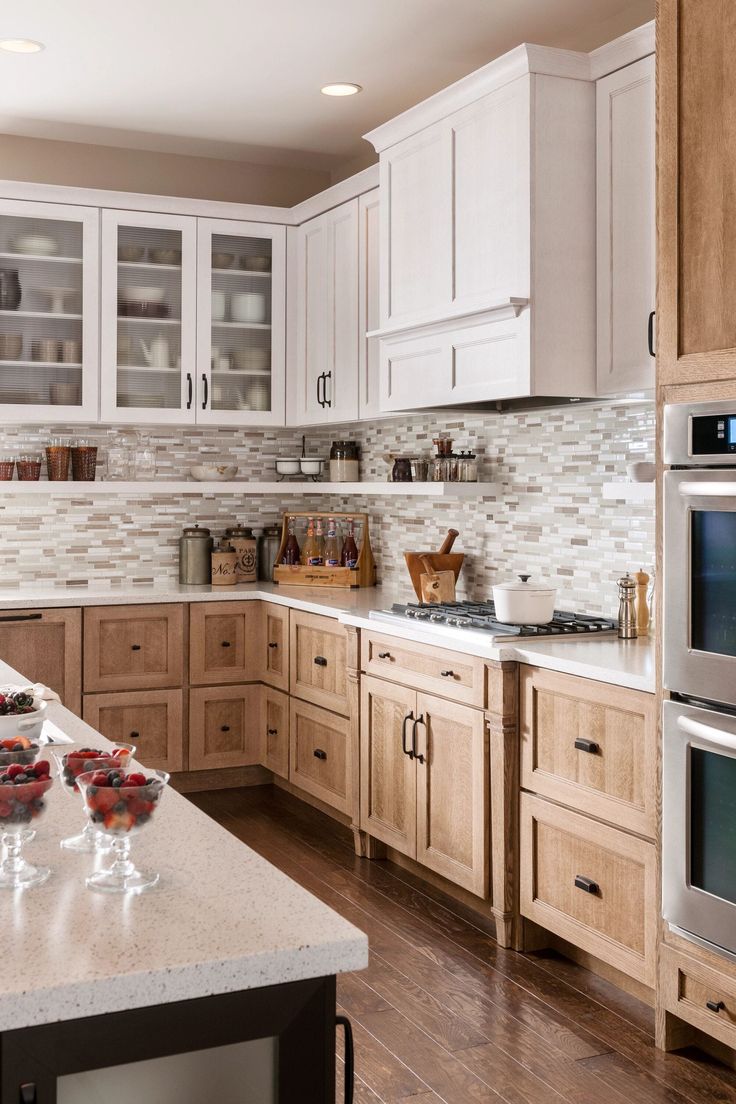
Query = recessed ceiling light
x=20 y=45
x=341 y=89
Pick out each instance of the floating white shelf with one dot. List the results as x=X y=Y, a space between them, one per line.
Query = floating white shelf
x=287 y=487
x=132 y=320
x=630 y=492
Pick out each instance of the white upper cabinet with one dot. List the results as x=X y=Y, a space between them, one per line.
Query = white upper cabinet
x=369 y=315
x=49 y=309
x=488 y=237
x=625 y=227
x=324 y=355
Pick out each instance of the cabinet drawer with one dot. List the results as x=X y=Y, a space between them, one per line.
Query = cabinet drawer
x=320 y=754
x=275 y=730
x=617 y=921
x=274 y=644
x=703 y=997
x=449 y=674
x=150 y=719
x=319 y=661
x=591 y=746
x=46 y=645
x=133 y=647
x=223 y=642
x=224 y=727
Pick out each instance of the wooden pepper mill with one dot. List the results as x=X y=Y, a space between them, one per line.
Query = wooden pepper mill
x=642 y=607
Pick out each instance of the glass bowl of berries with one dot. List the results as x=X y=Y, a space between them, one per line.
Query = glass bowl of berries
x=18 y=749
x=22 y=791
x=119 y=805
x=81 y=761
x=21 y=712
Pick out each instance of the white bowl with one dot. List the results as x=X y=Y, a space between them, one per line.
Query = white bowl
x=27 y=724
x=214 y=473
x=642 y=471
x=248 y=306
x=310 y=465
x=289 y=466
x=142 y=294
x=36 y=244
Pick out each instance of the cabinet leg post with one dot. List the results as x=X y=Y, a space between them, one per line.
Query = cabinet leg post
x=531 y=936
x=366 y=847
x=670 y=1032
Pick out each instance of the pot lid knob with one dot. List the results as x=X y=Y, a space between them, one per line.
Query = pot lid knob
x=525 y=578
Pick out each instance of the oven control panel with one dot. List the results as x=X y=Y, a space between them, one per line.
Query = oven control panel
x=713 y=434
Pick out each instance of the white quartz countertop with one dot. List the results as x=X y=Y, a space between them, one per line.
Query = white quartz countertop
x=222 y=919
x=605 y=658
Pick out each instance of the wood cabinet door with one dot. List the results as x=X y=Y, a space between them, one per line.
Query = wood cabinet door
x=133 y=647
x=591 y=746
x=45 y=645
x=388 y=776
x=275 y=731
x=274 y=645
x=318 y=661
x=696 y=212
x=223 y=642
x=453 y=793
x=224 y=727
x=625 y=227
x=320 y=754
x=150 y=719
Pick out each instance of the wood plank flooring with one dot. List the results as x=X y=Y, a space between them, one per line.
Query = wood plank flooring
x=443 y=1015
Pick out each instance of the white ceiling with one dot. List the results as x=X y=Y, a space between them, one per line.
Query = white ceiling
x=240 y=79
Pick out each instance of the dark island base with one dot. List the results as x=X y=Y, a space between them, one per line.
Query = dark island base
x=301 y=1014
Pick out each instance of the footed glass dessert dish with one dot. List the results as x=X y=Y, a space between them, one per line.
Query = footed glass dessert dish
x=22 y=791
x=80 y=761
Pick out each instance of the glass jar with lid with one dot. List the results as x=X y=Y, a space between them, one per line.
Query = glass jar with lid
x=344 y=462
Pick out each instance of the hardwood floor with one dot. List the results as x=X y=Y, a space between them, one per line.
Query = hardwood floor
x=443 y=1014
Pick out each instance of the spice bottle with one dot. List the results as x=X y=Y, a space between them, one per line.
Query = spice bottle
x=244 y=543
x=224 y=565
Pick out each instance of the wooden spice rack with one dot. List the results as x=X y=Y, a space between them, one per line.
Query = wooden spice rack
x=363 y=575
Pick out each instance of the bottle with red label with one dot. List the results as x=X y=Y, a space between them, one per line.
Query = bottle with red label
x=349 y=555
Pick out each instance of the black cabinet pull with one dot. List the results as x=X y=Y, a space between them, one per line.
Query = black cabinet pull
x=190 y=391
x=224 y=728
x=715 y=1006
x=327 y=402
x=349 y=1073
x=650 y=333
x=272 y=732
x=206 y=395
x=320 y=661
x=415 y=754
x=135 y=647
x=384 y=655
x=135 y=735
x=404 y=748
x=320 y=400
x=586 y=884
x=272 y=644
x=447 y=674
x=28 y=1091
x=226 y=644
x=319 y=753
x=586 y=745
x=22 y=617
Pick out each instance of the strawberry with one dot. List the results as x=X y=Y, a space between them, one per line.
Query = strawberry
x=135 y=779
x=15 y=769
x=41 y=767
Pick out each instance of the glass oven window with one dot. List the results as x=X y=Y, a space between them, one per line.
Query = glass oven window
x=713 y=823
x=713 y=582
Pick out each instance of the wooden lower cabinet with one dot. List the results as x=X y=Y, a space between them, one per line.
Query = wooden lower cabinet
x=224 y=727
x=223 y=642
x=425 y=781
x=133 y=647
x=46 y=646
x=590 y=884
x=150 y=719
x=275 y=730
x=320 y=754
x=318 y=661
x=274 y=645
x=424 y=667
x=702 y=995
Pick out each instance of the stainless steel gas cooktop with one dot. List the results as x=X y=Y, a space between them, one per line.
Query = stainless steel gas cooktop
x=480 y=618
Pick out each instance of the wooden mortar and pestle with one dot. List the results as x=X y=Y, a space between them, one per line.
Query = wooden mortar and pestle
x=434 y=574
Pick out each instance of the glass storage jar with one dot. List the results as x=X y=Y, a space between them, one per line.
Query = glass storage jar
x=344 y=462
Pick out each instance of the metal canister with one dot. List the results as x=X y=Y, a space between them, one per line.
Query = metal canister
x=244 y=544
x=269 y=543
x=195 y=556
x=627 y=608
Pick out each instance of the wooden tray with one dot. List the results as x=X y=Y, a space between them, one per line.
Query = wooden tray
x=364 y=574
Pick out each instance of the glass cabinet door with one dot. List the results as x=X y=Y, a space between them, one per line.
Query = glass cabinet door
x=241 y=323
x=148 y=317
x=48 y=311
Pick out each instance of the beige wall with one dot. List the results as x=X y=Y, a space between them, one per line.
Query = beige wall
x=78 y=164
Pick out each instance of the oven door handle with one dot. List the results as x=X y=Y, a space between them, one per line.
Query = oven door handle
x=707 y=732
x=707 y=490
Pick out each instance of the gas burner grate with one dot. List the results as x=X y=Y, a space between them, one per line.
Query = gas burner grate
x=481 y=616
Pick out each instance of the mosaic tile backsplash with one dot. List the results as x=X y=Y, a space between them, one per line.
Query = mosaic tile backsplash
x=549 y=516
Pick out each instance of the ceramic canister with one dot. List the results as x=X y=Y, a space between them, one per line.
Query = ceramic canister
x=224 y=565
x=244 y=543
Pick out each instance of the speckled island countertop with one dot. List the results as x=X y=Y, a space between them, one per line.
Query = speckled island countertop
x=627 y=663
x=221 y=920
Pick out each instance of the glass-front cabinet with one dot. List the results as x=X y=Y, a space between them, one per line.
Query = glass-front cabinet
x=49 y=281
x=240 y=323
x=148 y=312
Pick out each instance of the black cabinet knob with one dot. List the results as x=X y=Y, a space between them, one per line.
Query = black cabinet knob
x=135 y=647
x=587 y=745
x=226 y=644
x=320 y=661
x=319 y=753
x=447 y=674
x=586 y=884
x=272 y=731
x=224 y=728
x=272 y=644
x=384 y=655
x=134 y=735
x=715 y=1006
